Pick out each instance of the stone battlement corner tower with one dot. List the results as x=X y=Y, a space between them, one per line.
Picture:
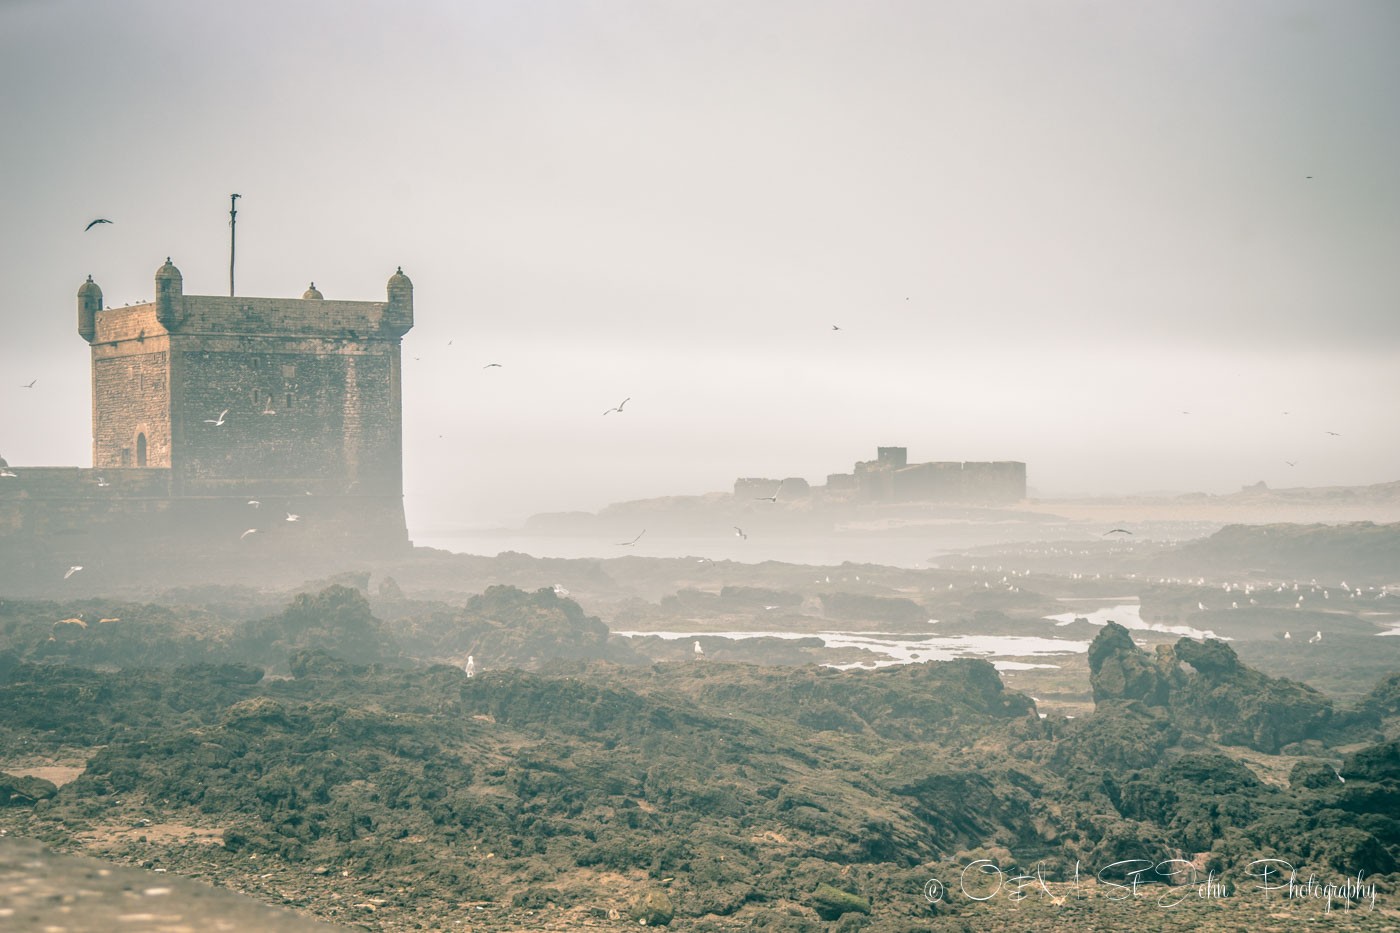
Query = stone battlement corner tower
x=244 y=398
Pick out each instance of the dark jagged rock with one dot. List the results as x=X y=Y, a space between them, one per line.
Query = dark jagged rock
x=1240 y=706
x=1120 y=736
x=1211 y=656
x=16 y=791
x=337 y=620
x=1313 y=775
x=1118 y=670
x=508 y=627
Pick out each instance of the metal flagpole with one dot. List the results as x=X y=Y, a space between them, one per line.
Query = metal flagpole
x=232 y=229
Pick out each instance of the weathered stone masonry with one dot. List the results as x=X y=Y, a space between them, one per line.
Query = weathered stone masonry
x=309 y=395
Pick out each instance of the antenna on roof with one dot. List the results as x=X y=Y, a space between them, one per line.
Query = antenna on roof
x=232 y=230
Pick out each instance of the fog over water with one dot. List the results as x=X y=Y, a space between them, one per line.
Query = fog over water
x=1137 y=246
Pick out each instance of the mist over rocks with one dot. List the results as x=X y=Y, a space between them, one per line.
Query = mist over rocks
x=579 y=775
x=1362 y=552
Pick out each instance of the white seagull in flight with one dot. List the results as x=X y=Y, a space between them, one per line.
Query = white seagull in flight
x=216 y=422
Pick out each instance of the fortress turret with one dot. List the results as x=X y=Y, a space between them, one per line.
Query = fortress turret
x=399 y=320
x=89 y=303
x=313 y=293
x=170 y=290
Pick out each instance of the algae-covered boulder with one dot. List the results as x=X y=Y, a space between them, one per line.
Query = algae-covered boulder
x=653 y=908
x=337 y=620
x=1118 y=737
x=1119 y=670
x=1237 y=705
x=16 y=791
x=831 y=903
x=1210 y=656
x=1313 y=775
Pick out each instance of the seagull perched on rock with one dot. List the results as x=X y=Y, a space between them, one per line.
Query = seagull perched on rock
x=471 y=666
x=216 y=422
x=91 y=224
x=72 y=570
x=699 y=651
x=619 y=406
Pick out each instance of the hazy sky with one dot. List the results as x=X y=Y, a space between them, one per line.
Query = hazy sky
x=1045 y=229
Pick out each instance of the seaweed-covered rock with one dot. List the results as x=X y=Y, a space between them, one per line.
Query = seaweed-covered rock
x=1210 y=656
x=1313 y=775
x=16 y=791
x=1238 y=705
x=653 y=908
x=1117 y=737
x=831 y=903
x=1119 y=670
x=338 y=620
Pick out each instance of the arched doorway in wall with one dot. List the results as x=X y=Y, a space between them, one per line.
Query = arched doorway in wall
x=141 y=449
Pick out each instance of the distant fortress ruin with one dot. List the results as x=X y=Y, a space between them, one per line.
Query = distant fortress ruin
x=226 y=425
x=891 y=478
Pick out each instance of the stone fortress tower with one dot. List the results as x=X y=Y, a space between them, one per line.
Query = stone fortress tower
x=307 y=390
x=204 y=405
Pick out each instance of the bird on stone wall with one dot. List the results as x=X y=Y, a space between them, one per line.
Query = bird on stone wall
x=91 y=224
x=216 y=422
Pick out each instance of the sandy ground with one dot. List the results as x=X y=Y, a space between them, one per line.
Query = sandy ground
x=41 y=890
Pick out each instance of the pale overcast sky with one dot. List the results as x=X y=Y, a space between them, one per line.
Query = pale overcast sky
x=1045 y=229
